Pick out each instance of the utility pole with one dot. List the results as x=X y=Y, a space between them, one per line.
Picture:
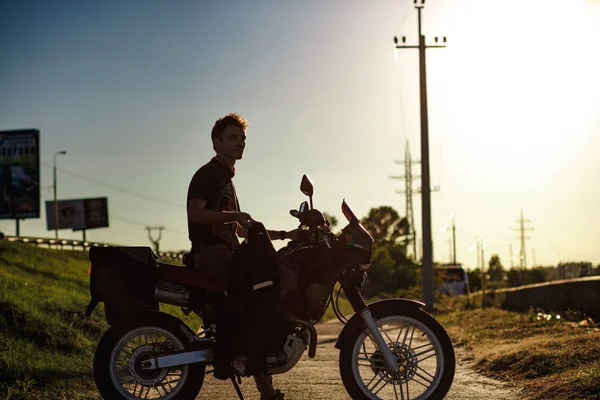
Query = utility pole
x=512 y=262
x=58 y=153
x=453 y=227
x=522 y=229
x=453 y=242
x=408 y=192
x=156 y=241
x=426 y=189
x=481 y=265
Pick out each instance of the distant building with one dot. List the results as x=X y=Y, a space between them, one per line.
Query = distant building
x=573 y=270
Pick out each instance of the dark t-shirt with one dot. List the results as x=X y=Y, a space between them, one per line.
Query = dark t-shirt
x=213 y=183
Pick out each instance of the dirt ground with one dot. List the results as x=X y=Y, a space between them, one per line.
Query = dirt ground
x=319 y=378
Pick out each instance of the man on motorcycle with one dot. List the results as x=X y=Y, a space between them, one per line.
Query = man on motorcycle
x=215 y=220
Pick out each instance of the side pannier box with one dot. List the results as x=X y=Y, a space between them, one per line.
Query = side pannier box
x=123 y=278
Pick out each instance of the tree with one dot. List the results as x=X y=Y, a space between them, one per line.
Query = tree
x=385 y=225
x=390 y=271
x=496 y=270
x=331 y=218
x=514 y=277
x=474 y=279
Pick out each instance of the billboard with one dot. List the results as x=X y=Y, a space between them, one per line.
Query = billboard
x=19 y=174
x=78 y=214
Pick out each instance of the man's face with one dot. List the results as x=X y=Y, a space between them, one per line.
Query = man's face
x=232 y=143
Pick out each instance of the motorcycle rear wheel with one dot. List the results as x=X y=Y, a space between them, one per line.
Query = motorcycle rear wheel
x=121 y=350
x=422 y=348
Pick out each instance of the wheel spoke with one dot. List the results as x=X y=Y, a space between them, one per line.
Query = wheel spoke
x=411 y=336
x=399 y=332
x=382 y=386
x=425 y=352
x=405 y=335
x=164 y=388
x=422 y=377
x=427 y=373
x=372 y=360
x=124 y=358
x=386 y=335
x=428 y=357
x=376 y=384
x=372 y=379
x=421 y=346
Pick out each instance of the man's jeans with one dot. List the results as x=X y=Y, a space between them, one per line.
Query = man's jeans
x=214 y=261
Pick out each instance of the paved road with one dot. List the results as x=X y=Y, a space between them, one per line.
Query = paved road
x=319 y=378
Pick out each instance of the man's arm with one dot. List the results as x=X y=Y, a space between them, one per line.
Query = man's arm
x=281 y=235
x=199 y=214
x=274 y=235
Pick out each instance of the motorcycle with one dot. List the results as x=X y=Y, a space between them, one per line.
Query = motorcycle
x=389 y=349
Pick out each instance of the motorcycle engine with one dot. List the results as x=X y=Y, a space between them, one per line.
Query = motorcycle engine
x=317 y=295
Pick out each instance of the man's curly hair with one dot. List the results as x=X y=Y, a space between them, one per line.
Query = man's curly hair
x=229 y=119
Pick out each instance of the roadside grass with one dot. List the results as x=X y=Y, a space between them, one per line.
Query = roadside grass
x=46 y=347
x=546 y=357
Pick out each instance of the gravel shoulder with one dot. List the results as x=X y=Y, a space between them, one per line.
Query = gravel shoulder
x=319 y=378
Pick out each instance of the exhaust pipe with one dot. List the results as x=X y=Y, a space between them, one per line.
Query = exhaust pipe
x=170 y=293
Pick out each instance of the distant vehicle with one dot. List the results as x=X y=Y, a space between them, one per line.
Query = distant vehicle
x=455 y=279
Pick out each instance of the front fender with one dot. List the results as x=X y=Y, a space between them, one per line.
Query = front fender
x=375 y=309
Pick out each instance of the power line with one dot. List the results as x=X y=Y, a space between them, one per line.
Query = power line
x=118 y=189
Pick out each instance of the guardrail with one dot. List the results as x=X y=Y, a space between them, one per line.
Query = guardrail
x=38 y=241
x=578 y=294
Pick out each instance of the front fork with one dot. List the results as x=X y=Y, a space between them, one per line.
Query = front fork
x=360 y=307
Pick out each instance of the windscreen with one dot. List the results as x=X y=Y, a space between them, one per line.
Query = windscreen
x=348 y=213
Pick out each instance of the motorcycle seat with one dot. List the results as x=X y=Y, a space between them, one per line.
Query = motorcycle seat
x=188 y=277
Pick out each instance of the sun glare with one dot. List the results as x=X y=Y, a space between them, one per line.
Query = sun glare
x=528 y=75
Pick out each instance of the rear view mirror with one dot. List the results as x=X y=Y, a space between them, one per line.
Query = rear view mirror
x=303 y=207
x=306 y=186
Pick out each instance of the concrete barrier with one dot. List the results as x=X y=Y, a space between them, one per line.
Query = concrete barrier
x=581 y=294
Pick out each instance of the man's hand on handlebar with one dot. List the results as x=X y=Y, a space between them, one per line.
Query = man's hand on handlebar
x=244 y=219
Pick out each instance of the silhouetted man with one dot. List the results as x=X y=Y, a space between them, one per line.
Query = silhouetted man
x=215 y=220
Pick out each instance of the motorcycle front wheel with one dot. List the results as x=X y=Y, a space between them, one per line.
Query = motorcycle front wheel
x=120 y=352
x=421 y=345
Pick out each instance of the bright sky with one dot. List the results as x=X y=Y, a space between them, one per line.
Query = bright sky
x=132 y=89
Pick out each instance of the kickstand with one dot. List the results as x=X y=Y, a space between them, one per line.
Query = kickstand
x=237 y=388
